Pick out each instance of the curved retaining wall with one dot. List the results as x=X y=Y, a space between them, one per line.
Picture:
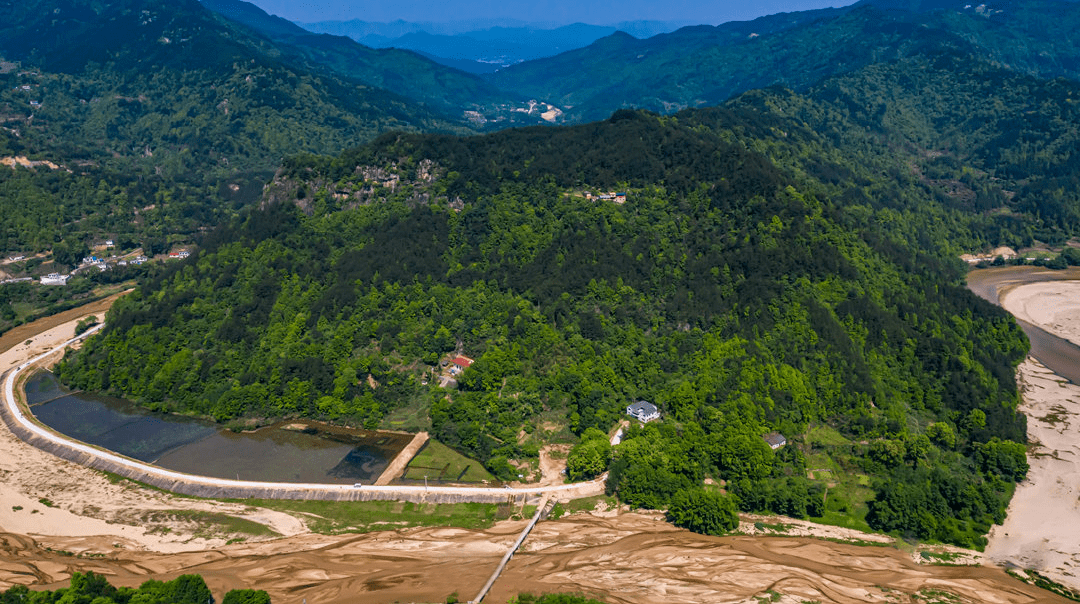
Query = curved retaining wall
x=220 y=488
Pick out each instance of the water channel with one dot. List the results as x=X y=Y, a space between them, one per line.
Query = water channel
x=1057 y=354
x=285 y=452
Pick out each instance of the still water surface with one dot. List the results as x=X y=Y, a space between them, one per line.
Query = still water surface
x=283 y=452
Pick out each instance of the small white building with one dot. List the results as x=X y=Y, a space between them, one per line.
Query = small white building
x=644 y=411
x=775 y=440
x=54 y=279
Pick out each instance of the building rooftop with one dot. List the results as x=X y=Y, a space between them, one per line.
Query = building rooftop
x=642 y=407
x=462 y=361
x=775 y=439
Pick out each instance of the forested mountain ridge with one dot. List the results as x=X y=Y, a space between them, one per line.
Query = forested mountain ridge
x=161 y=118
x=407 y=73
x=699 y=66
x=782 y=263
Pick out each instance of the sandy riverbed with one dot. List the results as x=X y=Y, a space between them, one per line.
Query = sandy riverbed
x=1042 y=530
x=1054 y=306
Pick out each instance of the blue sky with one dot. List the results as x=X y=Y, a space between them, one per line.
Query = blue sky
x=599 y=12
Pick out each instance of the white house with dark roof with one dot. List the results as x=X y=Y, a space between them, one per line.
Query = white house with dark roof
x=775 y=440
x=644 y=411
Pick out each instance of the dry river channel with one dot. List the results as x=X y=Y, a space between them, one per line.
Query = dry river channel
x=57 y=517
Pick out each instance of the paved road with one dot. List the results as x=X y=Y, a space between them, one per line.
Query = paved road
x=295 y=490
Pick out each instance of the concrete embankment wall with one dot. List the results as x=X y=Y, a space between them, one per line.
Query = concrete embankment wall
x=285 y=491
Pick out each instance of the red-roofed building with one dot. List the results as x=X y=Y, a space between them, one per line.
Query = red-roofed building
x=462 y=362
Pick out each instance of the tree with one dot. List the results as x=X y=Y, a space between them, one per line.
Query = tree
x=246 y=596
x=705 y=512
x=941 y=434
x=588 y=459
x=1003 y=458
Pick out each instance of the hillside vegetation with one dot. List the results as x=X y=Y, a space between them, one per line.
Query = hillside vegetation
x=447 y=91
x=779 y=265
x=156 y=120
x=703 y=65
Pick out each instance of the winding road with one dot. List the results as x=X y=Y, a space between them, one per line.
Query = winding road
x=190 y=484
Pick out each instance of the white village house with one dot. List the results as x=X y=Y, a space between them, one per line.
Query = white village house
x=644 y=411
x=775 y=440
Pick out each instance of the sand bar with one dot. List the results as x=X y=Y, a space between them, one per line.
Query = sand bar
x=1042 y=529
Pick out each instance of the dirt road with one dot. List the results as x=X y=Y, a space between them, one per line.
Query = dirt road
x=402 y=459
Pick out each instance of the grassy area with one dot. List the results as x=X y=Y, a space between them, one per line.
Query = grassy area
x=856 y=520
x=367 y=516
x=439 y=462
x=1039 y=580
x=408 y=418
x=210 y=524
x=826 y=436
x=766 y=527
x=588 y=504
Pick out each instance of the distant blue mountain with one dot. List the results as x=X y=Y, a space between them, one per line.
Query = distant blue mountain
x=485 y=45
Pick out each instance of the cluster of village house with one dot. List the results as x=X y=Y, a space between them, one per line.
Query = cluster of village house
x=619 y=198
x=452 y=368
x=93 y=261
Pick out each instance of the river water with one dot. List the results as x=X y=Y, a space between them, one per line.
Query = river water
x=1057 y=354
x=285 y=452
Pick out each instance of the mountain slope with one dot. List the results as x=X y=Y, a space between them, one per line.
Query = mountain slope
x=441 y=88
x=707 y=65
x=162 y=118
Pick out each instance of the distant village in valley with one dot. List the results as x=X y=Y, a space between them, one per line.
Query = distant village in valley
x=42 y=269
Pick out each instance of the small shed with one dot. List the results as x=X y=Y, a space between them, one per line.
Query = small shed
x=775 y=440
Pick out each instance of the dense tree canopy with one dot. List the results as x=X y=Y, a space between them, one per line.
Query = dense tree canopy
x=93 y=588
x=702 y=511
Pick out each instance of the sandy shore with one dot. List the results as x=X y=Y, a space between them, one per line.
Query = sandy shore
x=1042 y=530
x=1053 y=306
x=629 y=558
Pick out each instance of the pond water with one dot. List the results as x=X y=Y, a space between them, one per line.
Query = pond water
x=284 y=452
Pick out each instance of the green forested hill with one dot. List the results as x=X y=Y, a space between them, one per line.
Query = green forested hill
x=700 y=66
x=161 y=118
x=781 y=263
